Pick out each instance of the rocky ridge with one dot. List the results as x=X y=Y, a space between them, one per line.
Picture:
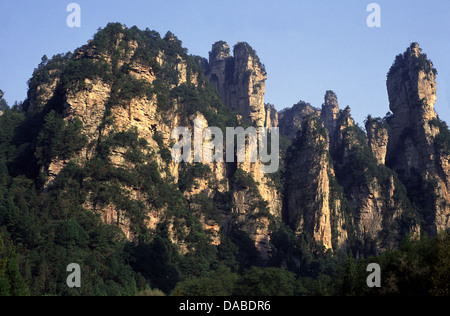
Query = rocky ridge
x=128 y=98
x=338 y=188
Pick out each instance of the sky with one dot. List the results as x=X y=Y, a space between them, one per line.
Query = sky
x=308 y=47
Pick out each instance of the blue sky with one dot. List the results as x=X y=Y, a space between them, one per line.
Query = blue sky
x=308 y=47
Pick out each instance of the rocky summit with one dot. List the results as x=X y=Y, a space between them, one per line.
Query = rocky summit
x=96 y=155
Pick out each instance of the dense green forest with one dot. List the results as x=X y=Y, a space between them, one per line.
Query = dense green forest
x=44 y=228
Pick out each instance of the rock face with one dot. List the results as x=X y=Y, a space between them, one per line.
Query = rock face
x=368 y=188
x=272 y=117
x=413 y=150
x=311 y=208
x=145 y=90
x=378 y=137
x=240 y=80
x=338 y=193
x=330 y=114
x=412 y=94
x=291 y=119
x=337 y=189
x=240 y=83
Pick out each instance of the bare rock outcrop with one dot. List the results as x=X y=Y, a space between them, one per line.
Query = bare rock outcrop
x=291 y=119
x=330 y=114
x=240 y=80
x=414 y=150
x=138 y=90
x=240 y=83
x=378 y=138
x=272 y=117
x=312 y=208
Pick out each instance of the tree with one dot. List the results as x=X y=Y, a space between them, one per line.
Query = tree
x=59 y=139
x=350 y=277
x=221 y=283
x=18 y=285
x=11 y=280
x=440 y=276
x=4 y=283
x=266 y=282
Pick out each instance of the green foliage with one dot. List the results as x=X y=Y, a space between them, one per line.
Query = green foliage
x=11 y=280
x=418 y=268
x=46 y=226
x=420 y=63
x=360 y=167
x=71 y=233
x=218 y=47
x=126 y=88
x=189 y=173
x=77 y=71
x=442 y=140
x=3 y=104
x=250 y=51
x=48 y=70
x=379 y=123
x=240 y=249
x=166 y=153
x=313 y=137
x=440 y=268
x=207 y=207
x=10 y=131
x=350 y=277
x=255 y=281
x=59 y=138
x=266 y=282
x=221 y=283
x=243 y=180
x=205 y=100
x=161 y=257
x=60 y=224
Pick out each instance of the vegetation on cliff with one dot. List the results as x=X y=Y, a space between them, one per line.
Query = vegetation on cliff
x=106 y=198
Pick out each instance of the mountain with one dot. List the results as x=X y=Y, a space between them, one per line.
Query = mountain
x=417 y=146
x=91 y=150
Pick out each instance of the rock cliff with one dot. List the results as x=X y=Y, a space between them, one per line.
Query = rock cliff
x=312 y=208
x=414 y=149
x=291 y=119
x=126 y=91
x=374 y=205
x=272 y=116
x=338 y=193
x=330 y=114
x=378 y=137
x=140 y=88
x=240 y=80
x=240 y=83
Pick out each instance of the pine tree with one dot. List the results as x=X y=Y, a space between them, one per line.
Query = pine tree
x=18 y=285
x=350 y=277
x=4 y=283
x=11 y=281
x=440 y=276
